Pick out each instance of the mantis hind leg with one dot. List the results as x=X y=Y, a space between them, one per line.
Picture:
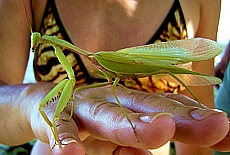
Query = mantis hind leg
x=105 y=75
x=187 y=88
x=115 y=83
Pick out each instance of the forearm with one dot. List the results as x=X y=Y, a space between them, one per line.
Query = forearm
x=204 y=94
x=17 y=104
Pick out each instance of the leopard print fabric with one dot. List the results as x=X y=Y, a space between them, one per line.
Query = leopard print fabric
x=48 y=68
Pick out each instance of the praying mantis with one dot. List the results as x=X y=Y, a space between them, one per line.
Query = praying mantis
x=134 y=62
x=155 y=59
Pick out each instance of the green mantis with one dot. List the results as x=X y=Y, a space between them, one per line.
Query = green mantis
x=64 y=89
x=155 y=59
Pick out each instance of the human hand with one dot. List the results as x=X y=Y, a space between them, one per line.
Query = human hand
x=97 y=114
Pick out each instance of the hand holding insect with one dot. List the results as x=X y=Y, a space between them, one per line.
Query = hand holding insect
x=160 y=58
x=92 y=105
x=155 y=59
x=40 y=119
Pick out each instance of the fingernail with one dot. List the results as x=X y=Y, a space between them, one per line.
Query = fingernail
x=200 y=114
x=147 y=118
x=69 y=140
x=71 y=146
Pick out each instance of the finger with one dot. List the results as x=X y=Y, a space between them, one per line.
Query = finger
x=201 y=127
x=94 y=146
x=223 y=145
x=122 y=150
x=106 y=121
x=68 y=136
x=41 y=148
x=193 y=125
x=182 y=99
x=67 y=133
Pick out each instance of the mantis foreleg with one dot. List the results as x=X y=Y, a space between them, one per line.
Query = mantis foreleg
x=64 y=89
x=51 y=96
x=65 y=97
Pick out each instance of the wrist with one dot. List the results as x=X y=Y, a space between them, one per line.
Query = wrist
x=14 y=122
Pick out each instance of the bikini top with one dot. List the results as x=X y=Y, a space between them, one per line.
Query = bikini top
x=47 y=67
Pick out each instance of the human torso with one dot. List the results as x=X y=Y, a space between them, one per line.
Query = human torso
x=112 y=25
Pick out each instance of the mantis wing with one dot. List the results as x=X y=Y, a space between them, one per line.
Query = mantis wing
x=178 y=51
x=152 y=59
x=192 y=79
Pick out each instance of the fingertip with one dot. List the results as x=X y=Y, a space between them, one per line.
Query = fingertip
x=72 y=148
x=125 y=150
x=223 y=145
x=160 y=130
x=205 y=129
x=152 y=130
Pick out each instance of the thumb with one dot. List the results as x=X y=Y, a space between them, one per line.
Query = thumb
x=68 y=135
x=67 y=129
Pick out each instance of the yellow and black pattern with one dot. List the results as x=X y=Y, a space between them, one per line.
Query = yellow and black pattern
x=48 y=68
x=46 y=65
x=173 y=28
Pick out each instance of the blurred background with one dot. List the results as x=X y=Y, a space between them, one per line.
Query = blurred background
x=223 y=35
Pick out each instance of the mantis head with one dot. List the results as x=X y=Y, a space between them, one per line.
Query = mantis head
x=35 y=37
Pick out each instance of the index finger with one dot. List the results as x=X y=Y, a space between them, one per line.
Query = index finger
x=104 y=119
